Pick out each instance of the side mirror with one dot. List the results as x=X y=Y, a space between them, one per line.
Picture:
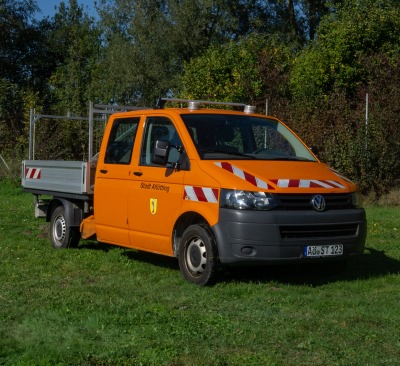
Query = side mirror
x=160 y=152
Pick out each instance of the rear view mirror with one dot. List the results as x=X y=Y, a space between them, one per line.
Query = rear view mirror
x=314 y=150
x=160 y=152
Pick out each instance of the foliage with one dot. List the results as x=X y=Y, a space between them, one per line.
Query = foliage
x=312 y=60
x=344 y=38
x=75 y=42
x=148 y=42
x=17 y=53
x=251 y=70
x=356 y=49
x=16 y=35
x=102 y=305
x=365 y=150
x=382 y=143
x=152 y=39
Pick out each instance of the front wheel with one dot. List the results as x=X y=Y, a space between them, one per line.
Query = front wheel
x=198 y=258
x=62 y=235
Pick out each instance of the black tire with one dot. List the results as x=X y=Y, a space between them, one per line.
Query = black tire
x=61 y=235
x=198 y=257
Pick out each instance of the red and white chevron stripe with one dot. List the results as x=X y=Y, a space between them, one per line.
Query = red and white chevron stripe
x=244 y=175
x=306 y=183
x=201 y=194
x=32 y=173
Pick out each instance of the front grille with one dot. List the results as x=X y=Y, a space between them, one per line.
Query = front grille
x=303 y=201
x=318 y=231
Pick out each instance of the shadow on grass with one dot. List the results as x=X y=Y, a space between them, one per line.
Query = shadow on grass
x=153 y=259
x=372 y=264
x=96 y=245
x=137 y=255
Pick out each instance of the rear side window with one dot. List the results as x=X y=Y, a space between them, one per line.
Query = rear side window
x=121 y=141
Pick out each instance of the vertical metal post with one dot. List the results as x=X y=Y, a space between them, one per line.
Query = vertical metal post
x=366 y=120
x=90 y=132
x=30 y=148
x=33 y=136
x=266 y=107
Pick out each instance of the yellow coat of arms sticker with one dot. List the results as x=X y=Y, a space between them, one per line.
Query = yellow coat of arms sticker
x=153 y=205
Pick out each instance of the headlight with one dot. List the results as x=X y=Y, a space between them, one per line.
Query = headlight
x=356 y=200
x=246 y=200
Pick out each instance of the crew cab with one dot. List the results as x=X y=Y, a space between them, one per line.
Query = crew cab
x=213 y=187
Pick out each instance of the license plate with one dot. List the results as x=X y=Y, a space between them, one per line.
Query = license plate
x=323 y=250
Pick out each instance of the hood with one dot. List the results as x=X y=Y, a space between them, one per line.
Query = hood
x=278 y=176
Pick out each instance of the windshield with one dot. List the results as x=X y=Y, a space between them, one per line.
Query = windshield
x=228 y=136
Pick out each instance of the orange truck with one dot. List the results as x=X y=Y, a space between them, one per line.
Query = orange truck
x=214 y=187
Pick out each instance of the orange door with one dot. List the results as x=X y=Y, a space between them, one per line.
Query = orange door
x=154 y=201
x=113 y=181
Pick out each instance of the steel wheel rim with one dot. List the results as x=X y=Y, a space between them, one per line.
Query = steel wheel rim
x=59 y=229
x=196 y=256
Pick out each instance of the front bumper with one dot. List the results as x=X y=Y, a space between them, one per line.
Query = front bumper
x=251 y=237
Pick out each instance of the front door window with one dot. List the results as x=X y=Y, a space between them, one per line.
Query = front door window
x=160 y=128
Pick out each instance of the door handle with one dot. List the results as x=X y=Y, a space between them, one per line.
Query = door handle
x=138 y=174
x=104 y=171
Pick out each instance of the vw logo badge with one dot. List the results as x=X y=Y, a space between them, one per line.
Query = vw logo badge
x=318 y=203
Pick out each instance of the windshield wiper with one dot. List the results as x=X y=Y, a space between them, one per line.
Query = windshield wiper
x=288 y=158
x=234 y=153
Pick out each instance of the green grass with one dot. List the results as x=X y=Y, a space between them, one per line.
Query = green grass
x=103 y=305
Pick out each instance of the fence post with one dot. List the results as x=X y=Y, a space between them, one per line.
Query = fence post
x=90 y=132
x=366 y=120
x=30 y=148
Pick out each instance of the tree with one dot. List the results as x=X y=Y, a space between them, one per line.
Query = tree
x=18 y=45
x=296 y=21
x=155 y=38
x=75 y=43
x=356 y=48
x=16 y=33
x=313 y=12
x=251 y=70
x=356 y=29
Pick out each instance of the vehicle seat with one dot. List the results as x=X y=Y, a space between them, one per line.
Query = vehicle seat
x=224 y=139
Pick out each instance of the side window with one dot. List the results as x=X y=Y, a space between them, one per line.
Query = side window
x=159 y=128
x=120 y=144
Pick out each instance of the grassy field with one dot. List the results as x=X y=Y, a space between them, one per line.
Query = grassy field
x=102 y=305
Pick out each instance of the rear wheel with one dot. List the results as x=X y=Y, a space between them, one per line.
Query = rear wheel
x=198 y=257
x=62 y=235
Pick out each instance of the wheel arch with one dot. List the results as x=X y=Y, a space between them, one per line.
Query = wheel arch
x=73 y=212
x=183 y=222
